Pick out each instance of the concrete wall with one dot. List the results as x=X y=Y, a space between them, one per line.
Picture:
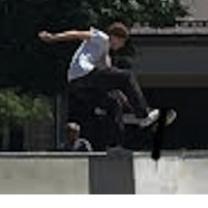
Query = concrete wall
x=198 y=8
x=172 y=59
x=44 y=176
x=115 y=173
x=172 y=175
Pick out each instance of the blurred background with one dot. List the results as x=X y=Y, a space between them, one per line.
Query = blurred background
x=167 y=51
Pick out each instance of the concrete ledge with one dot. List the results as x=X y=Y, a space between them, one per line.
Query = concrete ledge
x=171 y=175
x=44 y=176
x=115 y=172
x=165 y=153
x=51 y=155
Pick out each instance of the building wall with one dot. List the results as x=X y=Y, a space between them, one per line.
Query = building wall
x=172 y=175
x=44 y=176
x=115 y=173
x=173 y=59
x=198 y=8
x=172 y=66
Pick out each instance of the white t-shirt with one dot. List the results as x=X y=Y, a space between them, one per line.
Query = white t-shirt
x=92 y=53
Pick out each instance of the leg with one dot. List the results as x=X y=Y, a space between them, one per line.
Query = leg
x=115 y=112
x=107 y=80
x=104 y=81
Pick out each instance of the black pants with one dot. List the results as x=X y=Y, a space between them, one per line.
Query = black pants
x=105 y=130
x=110 y=79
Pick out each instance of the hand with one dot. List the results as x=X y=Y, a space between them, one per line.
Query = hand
x=46 y=36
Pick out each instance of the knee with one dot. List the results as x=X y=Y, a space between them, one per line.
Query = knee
x=126 y=74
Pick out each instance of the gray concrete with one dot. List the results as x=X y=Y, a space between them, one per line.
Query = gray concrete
x=172 y=60
x=171 y=175
x=99 y=173
x=44 y=176
x=112 y=174
x=172 y=66
x=197 y=8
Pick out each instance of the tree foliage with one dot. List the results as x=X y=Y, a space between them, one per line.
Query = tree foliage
x=19 y=108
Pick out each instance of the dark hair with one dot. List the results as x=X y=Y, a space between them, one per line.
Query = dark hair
x=118 y=29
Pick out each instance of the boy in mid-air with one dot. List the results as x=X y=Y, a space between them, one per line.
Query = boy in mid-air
x=91 y=65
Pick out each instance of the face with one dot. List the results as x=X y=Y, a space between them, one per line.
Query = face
x=73 y=135
x=116 y=42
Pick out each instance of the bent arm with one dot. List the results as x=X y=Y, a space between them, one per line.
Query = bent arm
x=64 y=36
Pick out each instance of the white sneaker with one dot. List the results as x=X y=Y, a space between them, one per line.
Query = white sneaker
x=171 y=117
x=153 y=117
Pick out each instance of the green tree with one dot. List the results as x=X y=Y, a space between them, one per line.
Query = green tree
x=18 y=109
x=158 y=13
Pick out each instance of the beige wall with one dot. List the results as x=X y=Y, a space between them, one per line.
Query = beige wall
x=66 y=173
x=171 y=175
x=198 y=8
x=44 y=176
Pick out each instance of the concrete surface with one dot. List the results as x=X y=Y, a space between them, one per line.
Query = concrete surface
x=197 y=8
x=171 y=175
x=98 y=173
x=112 y=174
x=44 y=176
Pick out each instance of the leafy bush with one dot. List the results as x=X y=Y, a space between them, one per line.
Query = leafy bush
x=19 y=108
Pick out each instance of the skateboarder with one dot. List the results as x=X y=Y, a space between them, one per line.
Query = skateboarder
x=91 y=66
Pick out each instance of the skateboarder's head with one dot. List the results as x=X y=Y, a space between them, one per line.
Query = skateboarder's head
x=118 y=34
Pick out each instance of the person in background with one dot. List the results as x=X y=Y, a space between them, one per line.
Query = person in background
x=73 y=141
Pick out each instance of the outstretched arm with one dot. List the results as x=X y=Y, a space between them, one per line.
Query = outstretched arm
x=64 y=36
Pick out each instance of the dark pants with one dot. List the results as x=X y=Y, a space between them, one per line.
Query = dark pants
x=102 y=130
x=110 y=79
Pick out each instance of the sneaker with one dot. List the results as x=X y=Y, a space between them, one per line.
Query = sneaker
x=171 y=117
x=153 y=117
